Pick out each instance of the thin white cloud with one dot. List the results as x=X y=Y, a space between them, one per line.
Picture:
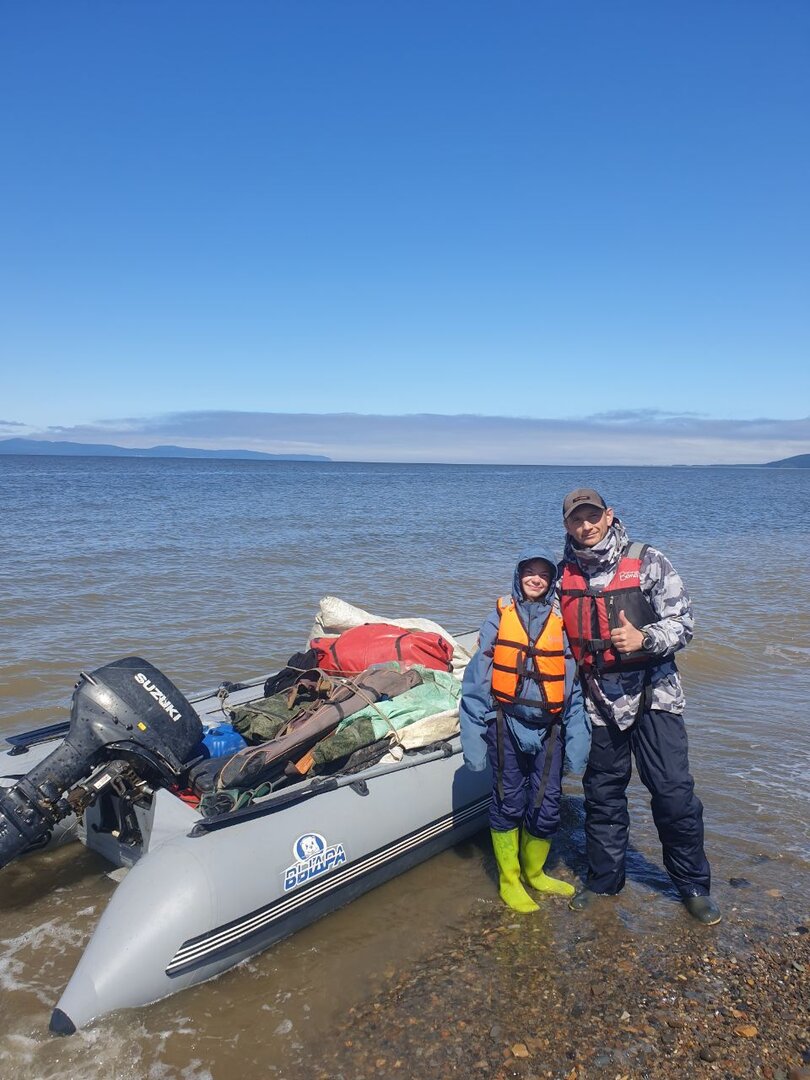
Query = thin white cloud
x=627 y=437
x=635 y=415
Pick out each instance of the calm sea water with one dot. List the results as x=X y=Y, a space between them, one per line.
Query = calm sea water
x=214 y=569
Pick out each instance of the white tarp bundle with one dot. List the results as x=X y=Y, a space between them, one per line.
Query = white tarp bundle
x=436 y=728
x=336 y=615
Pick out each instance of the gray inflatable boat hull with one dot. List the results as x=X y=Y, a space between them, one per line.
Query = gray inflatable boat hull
x=207 y=898
x=202 y=895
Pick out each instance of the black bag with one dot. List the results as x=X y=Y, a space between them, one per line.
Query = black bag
x=298 y=662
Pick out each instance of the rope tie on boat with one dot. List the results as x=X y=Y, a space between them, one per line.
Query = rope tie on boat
x=361 y=691
x=222 y=696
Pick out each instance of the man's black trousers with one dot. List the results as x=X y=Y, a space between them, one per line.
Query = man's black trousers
x=658 y=741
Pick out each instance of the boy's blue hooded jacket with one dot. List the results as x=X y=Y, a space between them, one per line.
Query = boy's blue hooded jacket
x=529 y=726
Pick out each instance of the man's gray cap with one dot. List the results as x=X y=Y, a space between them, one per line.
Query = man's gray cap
x=582 y=497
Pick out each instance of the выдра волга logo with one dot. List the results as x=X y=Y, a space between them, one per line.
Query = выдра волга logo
x=314 y=856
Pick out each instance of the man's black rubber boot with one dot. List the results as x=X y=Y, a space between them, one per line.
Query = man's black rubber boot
x=582 y=900
x=704 y=909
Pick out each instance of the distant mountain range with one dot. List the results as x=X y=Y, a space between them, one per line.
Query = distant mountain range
x=75 y=449
x=799 y=461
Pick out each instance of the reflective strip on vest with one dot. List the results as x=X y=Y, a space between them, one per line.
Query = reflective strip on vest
x=511 y=661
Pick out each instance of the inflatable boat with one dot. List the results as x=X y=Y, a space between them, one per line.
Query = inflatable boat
x=200 y=894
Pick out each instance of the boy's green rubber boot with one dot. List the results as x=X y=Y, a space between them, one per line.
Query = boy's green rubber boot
x=533 y=855
x=505 y=845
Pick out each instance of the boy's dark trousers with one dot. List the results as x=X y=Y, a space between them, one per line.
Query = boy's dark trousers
x=521 y=779
x=658 y=741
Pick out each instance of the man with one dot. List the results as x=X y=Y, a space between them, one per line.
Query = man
x=626 y=613
x=521 y=711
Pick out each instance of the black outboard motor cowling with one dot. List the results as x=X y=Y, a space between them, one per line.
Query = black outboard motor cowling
x=126 y=710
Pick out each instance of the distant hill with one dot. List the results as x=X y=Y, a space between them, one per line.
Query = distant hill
x=800 y=461
x=75 y=449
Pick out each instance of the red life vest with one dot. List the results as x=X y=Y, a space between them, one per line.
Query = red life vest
x=512 y=650
x=589 y=614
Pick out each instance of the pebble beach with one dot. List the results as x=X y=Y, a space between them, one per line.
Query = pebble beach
x=550 y=996
x=632 y=989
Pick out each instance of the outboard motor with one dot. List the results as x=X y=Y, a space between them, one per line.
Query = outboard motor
x=126 y=712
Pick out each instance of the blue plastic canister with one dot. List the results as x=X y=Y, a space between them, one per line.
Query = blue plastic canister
x=222 y=740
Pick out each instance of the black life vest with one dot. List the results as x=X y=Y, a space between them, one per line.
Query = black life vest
x=589 y=614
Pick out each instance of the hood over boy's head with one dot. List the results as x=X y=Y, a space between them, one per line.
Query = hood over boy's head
x=535 y=575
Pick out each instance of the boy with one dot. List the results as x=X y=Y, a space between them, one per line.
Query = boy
x=519 y=694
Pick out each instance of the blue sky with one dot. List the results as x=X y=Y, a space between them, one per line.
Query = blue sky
x=245 y=224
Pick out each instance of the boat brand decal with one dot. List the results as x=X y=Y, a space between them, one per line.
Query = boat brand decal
x=231 y=937
x=159 y=696
x=313 y=857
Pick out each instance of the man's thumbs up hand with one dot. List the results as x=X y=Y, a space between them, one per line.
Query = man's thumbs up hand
x=626 y=638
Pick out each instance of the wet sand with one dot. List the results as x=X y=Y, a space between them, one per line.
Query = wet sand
x=567 y=996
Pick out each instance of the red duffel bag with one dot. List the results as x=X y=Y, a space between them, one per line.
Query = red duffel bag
x=376 y=643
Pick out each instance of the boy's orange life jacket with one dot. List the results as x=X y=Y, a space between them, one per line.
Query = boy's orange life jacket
x=513 y=650
x=589 y=614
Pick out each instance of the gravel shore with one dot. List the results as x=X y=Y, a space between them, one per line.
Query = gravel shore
x=586 y=997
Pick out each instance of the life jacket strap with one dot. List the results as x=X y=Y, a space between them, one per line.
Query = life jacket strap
x=531 y=703
x=591 y=644
x=527 y=650
x=598 y=644
x=499 y=725
x=512 y=644
x=635 y=550
x=644 y=701
x=551 y=746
